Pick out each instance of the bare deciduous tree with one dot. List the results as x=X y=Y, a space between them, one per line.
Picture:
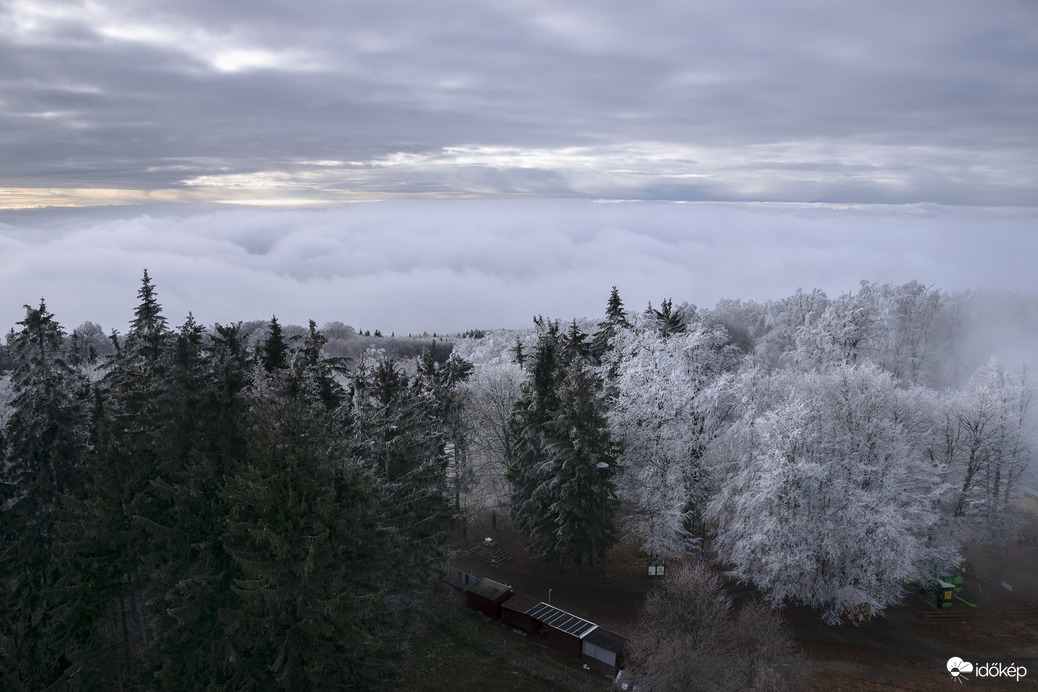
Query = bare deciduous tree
x=687 y=638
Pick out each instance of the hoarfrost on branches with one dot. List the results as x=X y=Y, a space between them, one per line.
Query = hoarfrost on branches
x=827 y=488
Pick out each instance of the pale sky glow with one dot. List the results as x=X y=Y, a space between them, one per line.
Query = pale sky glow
x=170 y=110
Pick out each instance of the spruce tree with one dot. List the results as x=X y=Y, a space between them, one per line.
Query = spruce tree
x=667 y=320
x=44 y=442
x=148 y=327
x=615 y=320
x=301 y=533
x=442 y=382
x=273 y=352
x=536 y=405
x=561 y=473
x=111 y=532
x=312 y=374
x=191 y=571
x=398 y=436
x=577 y=471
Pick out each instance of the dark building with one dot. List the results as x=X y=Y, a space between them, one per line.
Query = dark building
x=565 y=630
x=487 y=595
x=515 y=612
x=603 y=650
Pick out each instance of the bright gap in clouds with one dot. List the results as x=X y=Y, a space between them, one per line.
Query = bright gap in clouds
x=447 y=266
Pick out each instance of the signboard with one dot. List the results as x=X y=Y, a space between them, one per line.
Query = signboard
x=655 y=570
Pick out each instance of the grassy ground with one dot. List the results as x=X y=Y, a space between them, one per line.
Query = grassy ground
x=461 y=651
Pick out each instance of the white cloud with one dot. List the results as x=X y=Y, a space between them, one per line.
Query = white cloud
x=449 y=266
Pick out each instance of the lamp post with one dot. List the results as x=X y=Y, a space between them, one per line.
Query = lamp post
x=602 y=467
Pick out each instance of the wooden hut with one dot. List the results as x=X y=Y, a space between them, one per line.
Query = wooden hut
x=515 y=611
x=487 y=595
x=565 y=630
x=603 y=650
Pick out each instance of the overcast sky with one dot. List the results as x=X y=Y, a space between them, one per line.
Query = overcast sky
x=908 y=125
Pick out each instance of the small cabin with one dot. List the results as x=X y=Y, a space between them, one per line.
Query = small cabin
x=515 y=612
x=565 y=630
x=603 y=650
x=487 y=595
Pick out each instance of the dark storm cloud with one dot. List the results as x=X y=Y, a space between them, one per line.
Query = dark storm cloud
x=807 y=101
x=448 y=266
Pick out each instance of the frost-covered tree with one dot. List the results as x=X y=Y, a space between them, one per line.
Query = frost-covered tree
x=443 y=383
x=667 y=319
x=658 y=417
x=312 y=373
x=490 y=394
x=492 y=391
x=986 y=440
x=845 y=332
x=908 y=314
x=783 y=320
x=827 y=492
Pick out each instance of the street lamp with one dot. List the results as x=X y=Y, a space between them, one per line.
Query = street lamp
x=602 y=466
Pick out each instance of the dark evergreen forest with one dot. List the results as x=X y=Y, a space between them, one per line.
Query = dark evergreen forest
x=206 y=514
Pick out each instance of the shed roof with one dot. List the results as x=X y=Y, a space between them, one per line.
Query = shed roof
x=604 y=639
x=488 y=588
x=561 y=620
x=520 y=603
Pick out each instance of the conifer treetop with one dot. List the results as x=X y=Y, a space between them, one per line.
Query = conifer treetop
x=147 y=316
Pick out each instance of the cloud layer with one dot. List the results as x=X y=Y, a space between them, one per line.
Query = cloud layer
x=277 y=102
x=448 y=266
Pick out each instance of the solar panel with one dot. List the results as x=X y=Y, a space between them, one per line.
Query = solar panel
x=561 y=620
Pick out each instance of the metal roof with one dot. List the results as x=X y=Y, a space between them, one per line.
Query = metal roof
x=520 y=603
x=489 y=589
x=604 y=639
x=561 y=620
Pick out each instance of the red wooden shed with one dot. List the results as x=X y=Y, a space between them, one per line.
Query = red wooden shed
x=515 y=611
x=487 y=595
x=565 y=630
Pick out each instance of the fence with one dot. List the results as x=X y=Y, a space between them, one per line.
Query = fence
x=1027 y=613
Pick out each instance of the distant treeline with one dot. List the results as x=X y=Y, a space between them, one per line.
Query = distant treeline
x=88 y=342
